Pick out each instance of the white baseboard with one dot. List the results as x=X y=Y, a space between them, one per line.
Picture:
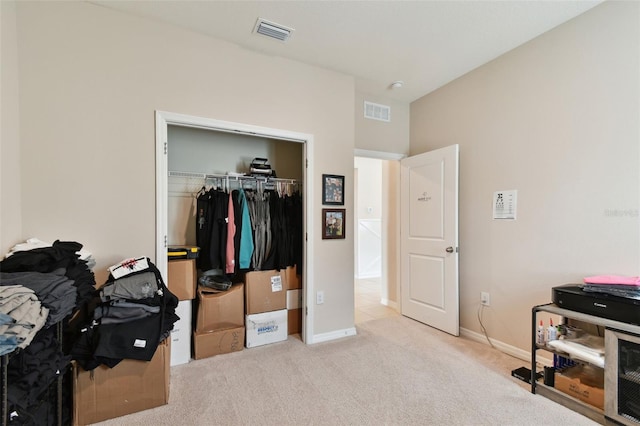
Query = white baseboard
x=333 y=335
x=389 y=303
x=503 y=347
x=366 y=276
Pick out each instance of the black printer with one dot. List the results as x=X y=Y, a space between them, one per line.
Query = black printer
x=617 y=308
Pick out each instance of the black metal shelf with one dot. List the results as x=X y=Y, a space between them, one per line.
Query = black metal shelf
x=550 y=392
x=4 y=365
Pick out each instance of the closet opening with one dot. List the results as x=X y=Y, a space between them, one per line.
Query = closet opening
x=197 y=155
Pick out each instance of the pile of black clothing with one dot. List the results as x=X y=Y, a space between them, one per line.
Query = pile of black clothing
x=134 y=311
x=61 y=258
x=53 y=284
x=32 y=399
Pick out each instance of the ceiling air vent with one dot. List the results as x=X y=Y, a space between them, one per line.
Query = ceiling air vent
x=273 y=30
x=377 y=111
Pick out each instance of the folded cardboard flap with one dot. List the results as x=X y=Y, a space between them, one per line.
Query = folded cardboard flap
x=131 y=386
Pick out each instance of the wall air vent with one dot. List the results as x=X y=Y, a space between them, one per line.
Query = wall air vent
x=377 y=111
x=273 y=30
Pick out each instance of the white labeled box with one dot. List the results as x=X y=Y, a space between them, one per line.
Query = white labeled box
x=181 y=334
x=267 y=327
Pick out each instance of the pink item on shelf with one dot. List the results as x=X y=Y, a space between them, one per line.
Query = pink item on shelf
x=612 y=279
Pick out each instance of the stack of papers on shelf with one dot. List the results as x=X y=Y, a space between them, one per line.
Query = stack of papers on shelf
x=588 y=348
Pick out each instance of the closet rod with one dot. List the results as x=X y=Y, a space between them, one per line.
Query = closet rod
x=231 y=177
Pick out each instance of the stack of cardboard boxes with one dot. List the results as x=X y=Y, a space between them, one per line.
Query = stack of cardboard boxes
x=132 y=385
x=219 y=321
x=268 y=304
x=265 y=307
x=181 y=281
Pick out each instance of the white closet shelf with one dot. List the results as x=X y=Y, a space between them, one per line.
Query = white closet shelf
x=196 y=175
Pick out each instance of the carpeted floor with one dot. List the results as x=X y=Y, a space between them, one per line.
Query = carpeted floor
x=394 y=372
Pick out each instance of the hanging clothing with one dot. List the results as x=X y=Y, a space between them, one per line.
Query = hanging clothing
x=218 y=243
x=204 y=228
x=230 y=252
x=261 y=221
x=249 y=229
x=246 y=235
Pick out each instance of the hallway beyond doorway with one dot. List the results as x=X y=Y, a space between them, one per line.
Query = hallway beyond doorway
x=367 y=301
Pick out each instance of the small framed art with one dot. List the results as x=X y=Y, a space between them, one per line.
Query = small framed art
x=333 y=223
x=333 y=190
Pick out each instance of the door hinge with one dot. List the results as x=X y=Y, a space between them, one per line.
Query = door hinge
x=306 y=310
x=165 y=241
x=306 y=163
x=306 y=236
x=166 y=148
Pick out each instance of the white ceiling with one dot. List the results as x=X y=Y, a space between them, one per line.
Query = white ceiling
x=426 y=44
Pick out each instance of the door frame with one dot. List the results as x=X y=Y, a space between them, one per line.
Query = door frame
x=388 y=156
x=163 y=120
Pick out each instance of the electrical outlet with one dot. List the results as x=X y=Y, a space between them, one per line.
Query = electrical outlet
x=320 y=298
x=485 y=299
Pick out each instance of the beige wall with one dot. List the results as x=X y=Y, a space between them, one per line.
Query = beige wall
x=369 y=192
x=374 y=135
x=558 y=120
x=10 y=210
x=392 y=137
x=391 y=231
x=90 y=81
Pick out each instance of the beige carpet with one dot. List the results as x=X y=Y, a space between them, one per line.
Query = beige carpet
x=394 y=372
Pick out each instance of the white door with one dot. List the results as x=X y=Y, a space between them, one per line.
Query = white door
x=429 y=238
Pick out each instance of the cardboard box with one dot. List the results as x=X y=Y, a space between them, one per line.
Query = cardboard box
x=220 y=310
x=577 y=388
x=294 y=321
x=129 y=387
x=210 y=343
x=265 y=292
x=294 y=311
x=266 y=327
x=181 y=334
x=182 y=278
x=293 y=280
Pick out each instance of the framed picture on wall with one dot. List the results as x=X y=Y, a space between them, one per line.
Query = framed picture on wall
x=333 y=224
x=333 y=190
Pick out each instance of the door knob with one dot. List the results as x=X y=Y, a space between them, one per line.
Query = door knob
x=449 y=249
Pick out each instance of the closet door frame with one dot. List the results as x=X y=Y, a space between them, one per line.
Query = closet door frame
x=164 y=120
